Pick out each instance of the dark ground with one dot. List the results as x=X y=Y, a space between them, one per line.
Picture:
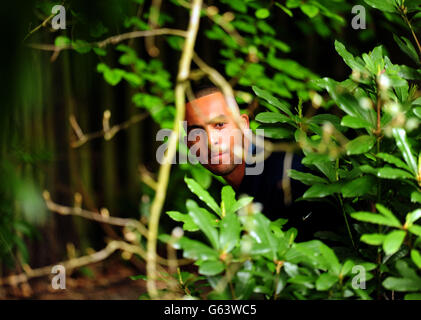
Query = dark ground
x=106 y=280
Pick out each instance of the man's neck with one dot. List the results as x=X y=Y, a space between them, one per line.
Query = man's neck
x=235 y=178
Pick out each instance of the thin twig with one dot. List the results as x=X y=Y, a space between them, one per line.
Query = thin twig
x=111 y=40
x=151 y=48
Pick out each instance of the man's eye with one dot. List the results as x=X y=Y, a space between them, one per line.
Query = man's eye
x=219 y=124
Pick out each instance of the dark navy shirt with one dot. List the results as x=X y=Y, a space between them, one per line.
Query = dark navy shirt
x=267 y=189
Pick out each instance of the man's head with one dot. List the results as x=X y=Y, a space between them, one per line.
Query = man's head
x=212 y=126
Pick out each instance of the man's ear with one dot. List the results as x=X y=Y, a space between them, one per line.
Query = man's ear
x=245 y=120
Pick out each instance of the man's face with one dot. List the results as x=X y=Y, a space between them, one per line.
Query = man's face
x=211 y=127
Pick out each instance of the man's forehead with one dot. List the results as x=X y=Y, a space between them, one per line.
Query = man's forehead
x=211 y=105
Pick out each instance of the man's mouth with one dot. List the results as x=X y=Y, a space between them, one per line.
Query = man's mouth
x=216 y=157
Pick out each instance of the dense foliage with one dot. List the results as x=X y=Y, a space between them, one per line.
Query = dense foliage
x=360 y=139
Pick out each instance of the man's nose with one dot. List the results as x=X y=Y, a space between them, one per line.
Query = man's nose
x=214 y=137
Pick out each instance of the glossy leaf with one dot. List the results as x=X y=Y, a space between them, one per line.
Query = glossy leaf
x=203 y=195
x=407 y=47
x=413 y=217
x=406 y=149
x=416 y=258
x=272 y=100
x=361 y=186
x=416 y=196
x=211 y=267
x=306 y=178
x=272 y=117
x=375 y=218
x=401 y=284
x=392 y=173
x=228 y=200
x=230 y=232
x=374 y=239
x=321 y=191
x=355 y=123
x=196 y=250
x=393 y=160
x=360 y=145
x=202 y=221
x=393 y=241
x=325 y=281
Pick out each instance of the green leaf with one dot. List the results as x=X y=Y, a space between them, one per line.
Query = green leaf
x=211 y=267
x=81 y=46
x=409 y=73
x=242 y=202
x=355 y=123
x=416 y=197
x=272 y=117
x=382 y=5
x=228 y=200
x=413 y=296
x=315 y=158
x=359 y=187
x=262 y=13
x=387 y=213
x=374 y=239
x=417 y=111
x=260 y=231
x=393 y=241
x=401 y=284
x=100 y=52
x=412 y=217
x=309 y=10
x=238 y=5
x=347 y=267
x=285 y=9
x=347 y=56
x=330 y=258
x=405 y=147
x=113 y=76
x=201 y=175
x=326 y=281
x=320 y=191
x=375 y=218
x=188 y=223
x=230 y=232
x=272 y=100
x=360 y=145
x=407 y=47
x=196 y=250
x=392 y=173
x=393 y=160
x=415 y=229
x=416 y=257
x=202 y=221
x=306 y=178
x=62 y=41
x=274 y=132
x=203 y=195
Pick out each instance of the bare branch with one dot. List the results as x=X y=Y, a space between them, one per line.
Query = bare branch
x=103 y=218
x=106 y=132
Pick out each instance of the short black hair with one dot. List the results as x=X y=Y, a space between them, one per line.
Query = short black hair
x=202 y=89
